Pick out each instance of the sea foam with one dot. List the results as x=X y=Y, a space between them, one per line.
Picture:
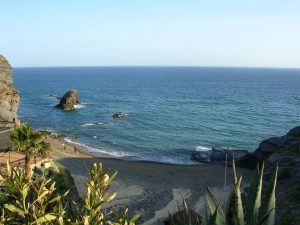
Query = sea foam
x=203 y=148
x=88 y=124
x=80 y=106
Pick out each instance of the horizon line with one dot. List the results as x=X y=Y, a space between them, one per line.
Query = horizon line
x=158 y=66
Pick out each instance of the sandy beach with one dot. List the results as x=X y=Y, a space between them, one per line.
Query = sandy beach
x=153 y=189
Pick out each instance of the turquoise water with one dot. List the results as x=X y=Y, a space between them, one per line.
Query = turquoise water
x=171 y=111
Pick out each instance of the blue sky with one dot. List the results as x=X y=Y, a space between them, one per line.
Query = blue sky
x=151 y=33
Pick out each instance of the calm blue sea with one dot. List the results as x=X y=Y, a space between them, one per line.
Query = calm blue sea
x=171 y=111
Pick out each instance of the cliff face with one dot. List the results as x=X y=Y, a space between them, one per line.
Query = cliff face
x=283 y=151
x=9 y=96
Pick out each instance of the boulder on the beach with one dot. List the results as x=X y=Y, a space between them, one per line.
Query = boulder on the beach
x=118 y=115
x=69 y=101
x=202 y=156
x=9 y=96
x=218 y=154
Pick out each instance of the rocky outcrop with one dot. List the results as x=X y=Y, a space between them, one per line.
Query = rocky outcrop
x=9 y=96
x=69 y=101
x=218 y=155
x=283 y=151
x=277 y=147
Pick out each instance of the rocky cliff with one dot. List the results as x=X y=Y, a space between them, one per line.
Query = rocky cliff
x=283 y=151
x=9 y=96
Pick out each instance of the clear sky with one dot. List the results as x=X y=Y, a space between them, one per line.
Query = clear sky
x=252 y=33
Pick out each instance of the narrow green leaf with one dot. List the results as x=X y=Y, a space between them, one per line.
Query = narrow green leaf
x=269 y=203
x=254 y=198
x=214 y=207
x=237 y=207
x=234 y=176
x=15 y=209
x=217 y=218
x=135 y=218
x=46 y=218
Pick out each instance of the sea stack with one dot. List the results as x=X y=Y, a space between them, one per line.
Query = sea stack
x=69 y=101
x=9 y=96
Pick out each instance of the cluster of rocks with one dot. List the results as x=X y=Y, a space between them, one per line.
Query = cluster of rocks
x=218 y=154
x=69 y=101
x=9 y=96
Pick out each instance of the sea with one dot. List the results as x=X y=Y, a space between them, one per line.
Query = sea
x=170 y=111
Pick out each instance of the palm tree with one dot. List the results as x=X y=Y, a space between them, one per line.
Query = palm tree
x=30 y=142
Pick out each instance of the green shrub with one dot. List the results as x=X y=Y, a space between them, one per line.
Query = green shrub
x=35 y=200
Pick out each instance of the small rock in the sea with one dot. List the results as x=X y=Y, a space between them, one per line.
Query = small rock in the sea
x=69 y=101
x=118 y=115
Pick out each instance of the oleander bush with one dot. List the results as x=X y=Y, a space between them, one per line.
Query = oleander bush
x=33 y=200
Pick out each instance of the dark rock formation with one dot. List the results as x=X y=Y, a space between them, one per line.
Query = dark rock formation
x=202 y=156
x=275 y=146
x=9 y=96
x=283 y=151
x=218 y=155
x=68 y=101
x=118 y=115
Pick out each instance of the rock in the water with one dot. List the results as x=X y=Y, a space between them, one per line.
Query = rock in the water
x=9 y=96
x=69 y=101
x=118 y=115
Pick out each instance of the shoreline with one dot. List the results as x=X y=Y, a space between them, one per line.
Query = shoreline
x=83 y=150
x=153 y=189
x=86 y=150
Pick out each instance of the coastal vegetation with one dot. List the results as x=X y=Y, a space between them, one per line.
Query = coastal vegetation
x=30 y=142
x=35 y=200
x=257 y=210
